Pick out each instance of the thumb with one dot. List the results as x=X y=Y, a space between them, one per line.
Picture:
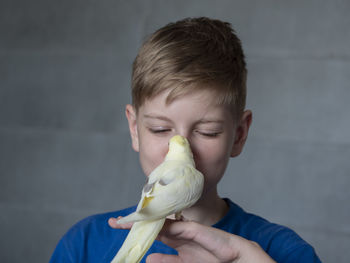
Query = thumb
x=161 y=258
x=113 y=223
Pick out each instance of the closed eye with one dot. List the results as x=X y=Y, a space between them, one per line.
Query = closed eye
x=159 y=130
x=209 y=134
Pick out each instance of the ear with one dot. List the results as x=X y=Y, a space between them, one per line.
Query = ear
x=241 y=133
x=132 y=120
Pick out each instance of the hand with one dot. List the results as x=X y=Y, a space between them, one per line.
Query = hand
x=198 y=243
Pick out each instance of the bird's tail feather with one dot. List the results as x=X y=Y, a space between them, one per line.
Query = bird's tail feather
x=138 y=241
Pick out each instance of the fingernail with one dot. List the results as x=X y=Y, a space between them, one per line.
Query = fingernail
x=113 y=220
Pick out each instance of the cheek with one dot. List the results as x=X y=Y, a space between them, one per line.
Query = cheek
x=212 y=160
x=151 y=155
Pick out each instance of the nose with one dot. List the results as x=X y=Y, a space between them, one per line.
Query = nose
x=183 y=132
x=189 y=136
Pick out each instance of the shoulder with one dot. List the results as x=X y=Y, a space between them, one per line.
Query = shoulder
x=99 y=221
x=280 y=242
x=91 y=239
x=96 y=226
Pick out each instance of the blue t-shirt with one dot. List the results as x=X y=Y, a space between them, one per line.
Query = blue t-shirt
x=92 y=240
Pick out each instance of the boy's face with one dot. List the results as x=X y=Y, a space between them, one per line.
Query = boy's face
x=213 y=134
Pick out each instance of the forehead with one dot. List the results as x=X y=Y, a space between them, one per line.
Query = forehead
x=197 y=105
x=168 y=99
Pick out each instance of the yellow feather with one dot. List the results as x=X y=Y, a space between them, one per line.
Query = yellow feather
x=146 y=201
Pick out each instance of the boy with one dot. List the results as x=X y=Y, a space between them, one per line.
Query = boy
x=189 y=78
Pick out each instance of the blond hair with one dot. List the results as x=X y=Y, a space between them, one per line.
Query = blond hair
x=189 y=55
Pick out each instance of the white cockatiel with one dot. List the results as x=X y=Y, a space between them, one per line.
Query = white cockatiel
x=173 y=186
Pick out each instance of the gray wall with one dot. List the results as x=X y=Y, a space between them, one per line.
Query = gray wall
x=64 y=145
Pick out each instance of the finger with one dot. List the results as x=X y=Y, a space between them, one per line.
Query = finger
x=161 y=258
x=113 y=223
x=178 y=229
x=213 y=240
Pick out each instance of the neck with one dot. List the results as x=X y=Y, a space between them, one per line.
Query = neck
x=209 y=209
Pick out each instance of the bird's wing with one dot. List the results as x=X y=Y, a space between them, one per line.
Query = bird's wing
x=170 y=193
x=171 y=188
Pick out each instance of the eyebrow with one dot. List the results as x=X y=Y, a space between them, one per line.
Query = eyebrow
x=210 y=121
x=158 y=117
x=163 y=118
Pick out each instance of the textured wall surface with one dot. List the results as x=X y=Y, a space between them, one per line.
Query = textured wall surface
x=64 y=145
